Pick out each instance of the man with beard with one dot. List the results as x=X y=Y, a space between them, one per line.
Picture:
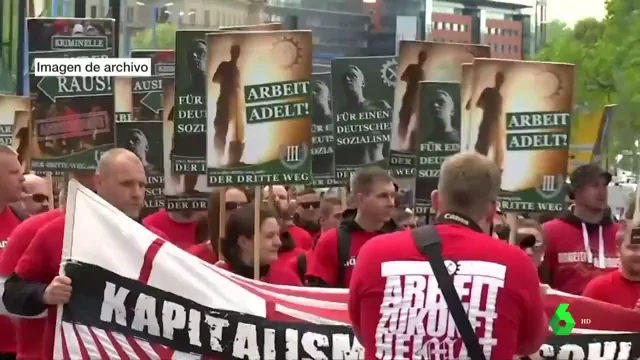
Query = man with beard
x=331 y=210
x=412 y=75
x=196 y=62
x=36 y=198
x=227 y=75
x=35 y=286
x=581 y=242
x=353 y=83
x=621 y=286
x=308 y=212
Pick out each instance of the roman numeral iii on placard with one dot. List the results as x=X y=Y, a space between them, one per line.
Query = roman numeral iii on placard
x=548 y=183
x=293 y=153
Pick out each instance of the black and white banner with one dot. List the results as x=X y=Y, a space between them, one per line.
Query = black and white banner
x=136 y=296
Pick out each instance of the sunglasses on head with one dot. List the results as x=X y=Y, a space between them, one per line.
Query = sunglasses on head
x=39 y=198
x=527 y=241
x=232 y=205
x=311 y=204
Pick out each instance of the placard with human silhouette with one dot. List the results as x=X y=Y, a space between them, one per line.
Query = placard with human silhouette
x=521 y=118
x=421 y=61
x=439 y=136
x=362 y=90
x=189 y=134
x=259 y=118
x=323 y=145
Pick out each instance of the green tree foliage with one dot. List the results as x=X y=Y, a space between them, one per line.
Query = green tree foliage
x=607 y=58
x=619 y=51
x=580 y=46
x=165 y=37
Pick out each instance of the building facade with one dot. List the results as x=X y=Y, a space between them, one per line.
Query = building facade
x=340 y=27
x=12 y=14
x=140 y=15
x=506 y=27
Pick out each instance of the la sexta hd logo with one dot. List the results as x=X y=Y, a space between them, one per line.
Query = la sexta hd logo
x=562 y=322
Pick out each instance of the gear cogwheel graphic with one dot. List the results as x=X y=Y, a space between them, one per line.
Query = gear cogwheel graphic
x=552 y=82
x=388 y=73
x=451 y=266
x=287 y=52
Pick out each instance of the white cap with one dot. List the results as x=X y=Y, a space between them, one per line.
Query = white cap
x=78 y=28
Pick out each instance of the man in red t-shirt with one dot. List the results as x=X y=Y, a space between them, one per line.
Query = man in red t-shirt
x=331 y=210
x=580 y=243
x=374 y=193
x=181 y=228
x=36 y=286
x=308 y=212
x=29 y=346
x=621 y=286
x=395 y=303
x=11 y=182
x=28 y=343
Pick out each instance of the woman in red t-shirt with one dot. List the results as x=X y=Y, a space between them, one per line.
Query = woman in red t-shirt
x=238 y=246
x=208 y=229
x=289 y=248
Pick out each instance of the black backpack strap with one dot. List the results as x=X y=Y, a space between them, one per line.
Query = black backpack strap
x=302 y=266
x=429 y=243
x=344 y=250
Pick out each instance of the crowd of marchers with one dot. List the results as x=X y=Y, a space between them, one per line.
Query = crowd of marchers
x=311 y=239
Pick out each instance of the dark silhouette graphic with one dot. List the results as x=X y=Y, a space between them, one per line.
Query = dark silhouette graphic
x=197 y=57
x=190 y=180
x=22 y=135
x=353 y=83
x=171 y=118
x=227 y=75
x=491 y=102
x=412 y=75
x=321 y=103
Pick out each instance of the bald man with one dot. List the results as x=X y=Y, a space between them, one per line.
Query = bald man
x=120 y=179
x=35 y=199
x=280 y=196
x=35 y=285
x=11 y=181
